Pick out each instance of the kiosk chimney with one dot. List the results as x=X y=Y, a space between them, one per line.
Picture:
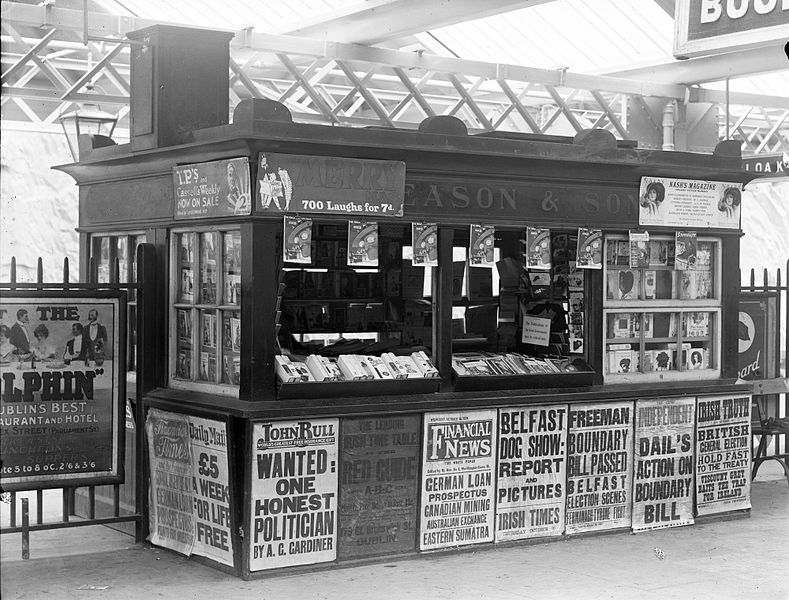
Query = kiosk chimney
x=179 y=83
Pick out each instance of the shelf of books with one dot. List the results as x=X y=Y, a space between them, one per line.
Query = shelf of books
x=661 y=308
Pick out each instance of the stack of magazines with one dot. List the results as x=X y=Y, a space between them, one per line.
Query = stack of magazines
x=466 y=364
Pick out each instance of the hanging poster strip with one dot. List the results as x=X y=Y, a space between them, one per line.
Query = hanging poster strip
x=379 y=469
x=362 y=244
x=171 y=520
x=664 y=469
x=210 y=472
x=425 y=245
x=599 y=466
x=531 y=472
x=458 y=465
x=723 y=447
x=293 y=514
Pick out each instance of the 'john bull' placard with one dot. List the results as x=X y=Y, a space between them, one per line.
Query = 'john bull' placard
x=458 y=479
x=60 y=359
x=293 y=513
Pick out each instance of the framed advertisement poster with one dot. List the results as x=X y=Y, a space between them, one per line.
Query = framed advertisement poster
x=63 y=374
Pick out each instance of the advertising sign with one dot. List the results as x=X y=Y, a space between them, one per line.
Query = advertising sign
x=458 y=467
x=599 y=466
x=62 y=371
x=531 y=472
x=212 y=189
x=189 y=485
x=757 y=335
x=775 y=165
x=664 y=471
x=329 y=185
x=723 y=454
x=293 y=512
x=715 y=26
x=689 y=203
x=379 y=472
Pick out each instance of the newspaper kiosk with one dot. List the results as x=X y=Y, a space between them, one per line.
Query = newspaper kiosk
x=377 y=342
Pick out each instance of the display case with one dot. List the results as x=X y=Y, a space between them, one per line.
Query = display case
x=662 y=311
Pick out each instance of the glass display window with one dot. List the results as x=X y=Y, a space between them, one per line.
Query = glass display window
x=206 y=311
x=661 y=310
x=106 y=249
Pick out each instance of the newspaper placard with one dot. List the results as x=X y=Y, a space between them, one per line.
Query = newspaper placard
x=664 y=469
x=293 y=514
x=62 y=356
x=210 y=472
x=689 y=203
x=189 y=485
x=379 y=470
x=599 y=466
x=723 y=448
x=171 y=517
x=531 y=472
x=458 y=466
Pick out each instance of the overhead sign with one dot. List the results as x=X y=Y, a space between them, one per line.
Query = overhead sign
x=713 y=26
x=329 y=185
x=62 y=394
x=767 y=164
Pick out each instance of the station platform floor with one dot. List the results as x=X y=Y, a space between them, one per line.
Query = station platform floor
x=746 y=557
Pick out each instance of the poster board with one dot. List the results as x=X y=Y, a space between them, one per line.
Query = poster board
x=458 y=472
x=530 y=482
x=663 y=482
x=599 y=466
x=63 y=391
x=379 y=472
x=723 y=454
x=189 y=500
x=293 y=501
x=218 y=188
x=689 y=203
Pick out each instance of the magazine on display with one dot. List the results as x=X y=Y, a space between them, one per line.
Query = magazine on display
x=425 y=244
x=297 y=236
x=590 y=248
x=481 y=246
x=639 y=249
x=538 y=252
x=362 y=244
x=685 y=251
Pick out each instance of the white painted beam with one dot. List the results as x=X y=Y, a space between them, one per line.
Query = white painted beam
x=711 y=68
x=376 y=21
